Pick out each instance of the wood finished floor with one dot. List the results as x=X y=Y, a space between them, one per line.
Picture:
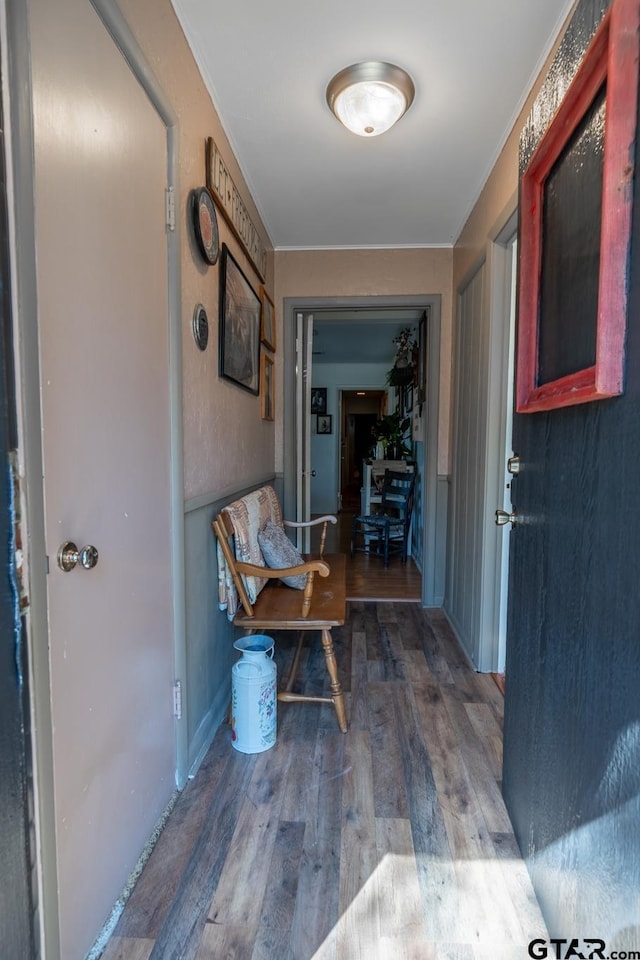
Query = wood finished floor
x=367 y=578
x=391 y=842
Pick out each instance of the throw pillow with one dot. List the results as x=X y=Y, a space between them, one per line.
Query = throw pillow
x=279 y=552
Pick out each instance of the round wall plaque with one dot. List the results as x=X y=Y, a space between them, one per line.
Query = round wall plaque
x=200 y=326
x=205 y=224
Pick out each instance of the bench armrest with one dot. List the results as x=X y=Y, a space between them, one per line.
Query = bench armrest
x=310 y=523
x=329 y=518
x=310 y=568
x=270 y=573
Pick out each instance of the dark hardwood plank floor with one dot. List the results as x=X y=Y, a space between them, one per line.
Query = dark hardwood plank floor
x=388 y=843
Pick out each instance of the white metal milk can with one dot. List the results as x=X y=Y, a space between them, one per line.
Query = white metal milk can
x=253 y=695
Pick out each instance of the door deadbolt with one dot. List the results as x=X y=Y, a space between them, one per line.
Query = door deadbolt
x=514 y=465
x=69 y=556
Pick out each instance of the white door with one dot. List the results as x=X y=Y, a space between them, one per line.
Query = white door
x=506 y=451
x=102 y=288
x=304 y=349
x=477 y=581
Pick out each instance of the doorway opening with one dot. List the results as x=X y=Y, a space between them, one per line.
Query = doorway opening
x=478 y=556
x=360 y=409
x=317 y=331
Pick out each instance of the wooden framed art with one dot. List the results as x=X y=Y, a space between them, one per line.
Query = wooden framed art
x=422 y=360
x=408 y=398
x=575 y=223
x=239 y=340
x=266 y=386
x=267 y=320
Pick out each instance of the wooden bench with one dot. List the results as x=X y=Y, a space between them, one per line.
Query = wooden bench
x=320 y=607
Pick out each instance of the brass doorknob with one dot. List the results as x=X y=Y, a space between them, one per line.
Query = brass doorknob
x=69 y=556
x=502 y=517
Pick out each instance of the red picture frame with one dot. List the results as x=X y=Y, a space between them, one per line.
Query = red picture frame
x=611 y=57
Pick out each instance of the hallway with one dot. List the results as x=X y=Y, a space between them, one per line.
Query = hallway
x=391 y=842
x=367 y=578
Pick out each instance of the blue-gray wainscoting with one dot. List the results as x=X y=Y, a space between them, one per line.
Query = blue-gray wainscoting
x=209 y=635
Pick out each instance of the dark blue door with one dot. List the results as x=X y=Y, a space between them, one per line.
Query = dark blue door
x=572 y=711
x=16 y=939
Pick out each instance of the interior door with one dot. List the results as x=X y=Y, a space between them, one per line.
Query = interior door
x=347 y=447
x=304 y=348
x=506 y=452
x=100 y=179
x=572 y=712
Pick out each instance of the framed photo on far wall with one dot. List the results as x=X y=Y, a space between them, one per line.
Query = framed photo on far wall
x=323 y=424
x=266 y=386
x=422 y=360
x=318 y=400
x=408 y=399
x=267 y=320
x=239 y=339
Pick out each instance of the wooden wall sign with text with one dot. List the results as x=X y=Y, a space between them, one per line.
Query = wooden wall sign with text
x=232 y=208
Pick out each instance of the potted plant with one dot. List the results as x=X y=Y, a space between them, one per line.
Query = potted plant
x=401 y=373
x=392 y=431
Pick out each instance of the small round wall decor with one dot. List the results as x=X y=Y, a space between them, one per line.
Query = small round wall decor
x=205 y=224
x=200 y=327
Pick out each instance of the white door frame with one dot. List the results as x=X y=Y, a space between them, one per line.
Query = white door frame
x=486 y=642
x=433 y=543
x=304 y=353
x=18 y=116
x=501 y=307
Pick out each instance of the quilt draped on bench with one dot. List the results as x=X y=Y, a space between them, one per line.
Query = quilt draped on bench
x=248 y=516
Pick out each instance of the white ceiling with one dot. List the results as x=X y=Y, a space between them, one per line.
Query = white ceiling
x=267 y=64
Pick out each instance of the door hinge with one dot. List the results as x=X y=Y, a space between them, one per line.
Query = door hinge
x=170 y=207
x=177 y=699
x=16 y=509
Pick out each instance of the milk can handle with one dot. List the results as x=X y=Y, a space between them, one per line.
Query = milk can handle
x=247 y=663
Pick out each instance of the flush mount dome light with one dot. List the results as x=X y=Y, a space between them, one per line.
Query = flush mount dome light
x=369 y=97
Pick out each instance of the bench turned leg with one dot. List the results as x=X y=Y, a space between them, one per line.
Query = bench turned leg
x=336 y=689
x=308 y=593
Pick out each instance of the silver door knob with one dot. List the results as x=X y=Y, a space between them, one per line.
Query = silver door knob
x=514 y=465
x=69 y=556
x=502 y=517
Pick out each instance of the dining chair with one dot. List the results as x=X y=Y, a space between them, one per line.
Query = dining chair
x=389 y=528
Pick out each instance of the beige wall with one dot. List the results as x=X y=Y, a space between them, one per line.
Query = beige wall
x=371 y=273
x=226 y=443
x=213 y=409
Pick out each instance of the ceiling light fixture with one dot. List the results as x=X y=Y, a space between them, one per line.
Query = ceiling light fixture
x=369 y=97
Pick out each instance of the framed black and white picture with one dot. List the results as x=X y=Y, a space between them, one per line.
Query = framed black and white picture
x=318 y=400
x=268 y=327
x=266 y=389
x=239 y=343
x=323 y=424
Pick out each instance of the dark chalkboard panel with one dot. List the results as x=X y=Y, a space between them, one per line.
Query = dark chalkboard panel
x=575 y=217
x=572 y=223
